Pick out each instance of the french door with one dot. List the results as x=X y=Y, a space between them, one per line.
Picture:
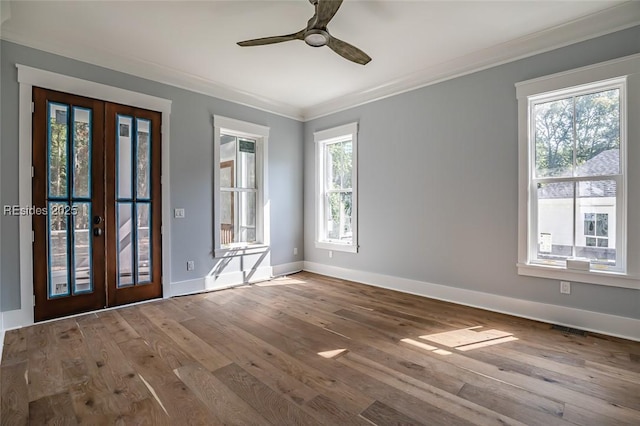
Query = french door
x=97 y=204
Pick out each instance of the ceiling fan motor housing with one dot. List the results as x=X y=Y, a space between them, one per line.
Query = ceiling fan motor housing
x=316 y=38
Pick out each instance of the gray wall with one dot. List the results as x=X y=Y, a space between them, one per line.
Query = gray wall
x=191 y=166
x=438 y=183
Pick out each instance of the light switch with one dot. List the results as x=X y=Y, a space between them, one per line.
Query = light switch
x=178 y=213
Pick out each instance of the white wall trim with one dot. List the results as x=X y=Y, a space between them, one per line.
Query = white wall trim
x=287 y=268
x=601 y=23
x=613 y=325
x=29 y=77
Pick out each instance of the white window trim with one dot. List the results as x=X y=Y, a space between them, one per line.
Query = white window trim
x=260 y=134
x=322 y=138
x=623 y=69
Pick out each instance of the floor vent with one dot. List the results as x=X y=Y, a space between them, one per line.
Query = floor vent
x=569 y=330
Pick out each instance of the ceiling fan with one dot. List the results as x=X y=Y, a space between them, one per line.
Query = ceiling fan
x=317 y=35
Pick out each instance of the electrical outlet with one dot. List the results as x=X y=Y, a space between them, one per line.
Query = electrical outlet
x=330 y=254
x=565 y=287
x=178 y=213
x=191 y=265
x=295 y=251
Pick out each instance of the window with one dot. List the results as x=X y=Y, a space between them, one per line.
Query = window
x=240 y=185
x=336 y=188
x=574 y=193
x=575 y=141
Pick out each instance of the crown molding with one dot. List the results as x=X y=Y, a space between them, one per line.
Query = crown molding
x=155 y=72
x=614 y=19
x=610 y=20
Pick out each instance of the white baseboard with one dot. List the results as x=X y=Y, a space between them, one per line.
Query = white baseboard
x=613 y=325
x=210 y=282
x=287 y=268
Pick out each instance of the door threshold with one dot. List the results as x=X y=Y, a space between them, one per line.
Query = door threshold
x=110 y=308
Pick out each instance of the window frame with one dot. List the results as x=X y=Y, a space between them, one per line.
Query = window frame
x=322 y=140
x=260 y=134
x=623 y=70
x=620 y=178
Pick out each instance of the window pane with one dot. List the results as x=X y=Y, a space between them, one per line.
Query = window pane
x=339 y=165
x=143 y=158
x=602 y=225
x=143 y=241
x=82 y=248
x=58 y=137
x=227 y=161
x=226 y=217
x=338 y=224
x=589 y=224
x=125 y=248
x=247 y=164
x=596 y=204
x=125 y=171
x=598 y=133
x=554 y=138
x=58 y=249
x=247 y=228
x=81 y=152
x=555 y=220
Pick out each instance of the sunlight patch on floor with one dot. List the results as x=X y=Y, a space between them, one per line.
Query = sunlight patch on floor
x=486 y=343
x=279 y=281
x=466 y=339
x=333 y=354
x=424 y=346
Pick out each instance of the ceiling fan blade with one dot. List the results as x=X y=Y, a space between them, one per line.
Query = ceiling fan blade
x=325 y=11
x=348 y=51
x=270 y=40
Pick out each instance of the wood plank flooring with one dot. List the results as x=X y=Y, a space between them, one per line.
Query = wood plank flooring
x=312 y=350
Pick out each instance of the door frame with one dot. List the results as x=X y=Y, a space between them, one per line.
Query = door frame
x=29 y=77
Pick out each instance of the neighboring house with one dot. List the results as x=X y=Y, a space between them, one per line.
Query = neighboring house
x=595 y=209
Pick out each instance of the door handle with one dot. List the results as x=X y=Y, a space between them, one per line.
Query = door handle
x=97 y=220
x=97 y=232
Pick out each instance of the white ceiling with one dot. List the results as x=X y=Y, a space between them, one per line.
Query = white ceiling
x=412 y=43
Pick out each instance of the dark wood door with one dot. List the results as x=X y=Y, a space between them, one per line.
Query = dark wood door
x=133 y=200
x=97 y=204
x=68 y=155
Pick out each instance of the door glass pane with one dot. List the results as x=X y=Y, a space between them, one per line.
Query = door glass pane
x=247 y=228
x=246 y=163
x=144 y=242
x=125 y=244
x=125 y=172
x=81 y=152
x=555 y=220
x=596 y=208
x=554 y=138
x=143 y=159
x=58 y=137
x=81 y=215
x=338 y=226
x=58 y=249
x=598 y=133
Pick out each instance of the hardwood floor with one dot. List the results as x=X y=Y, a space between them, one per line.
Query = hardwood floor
x=313 y=350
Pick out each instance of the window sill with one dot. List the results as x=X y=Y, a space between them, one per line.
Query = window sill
x=350 y=248
x=241 y=250
x=612 y=279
